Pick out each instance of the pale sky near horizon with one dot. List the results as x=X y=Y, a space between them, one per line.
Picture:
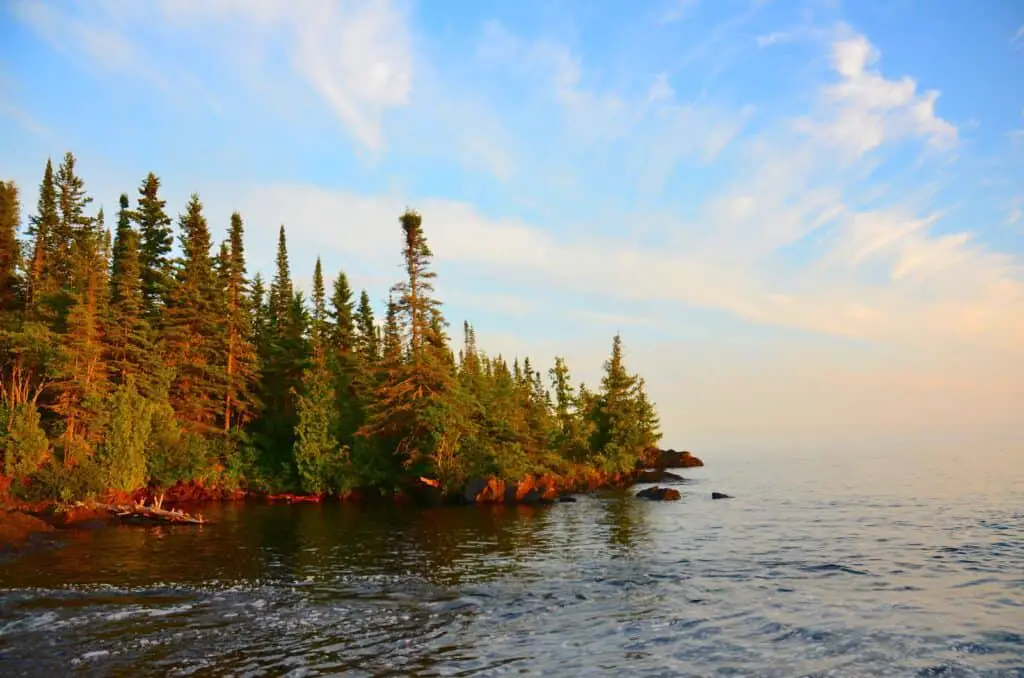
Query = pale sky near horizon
x=806 y=218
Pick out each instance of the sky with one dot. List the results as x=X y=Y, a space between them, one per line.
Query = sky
x=805 y=218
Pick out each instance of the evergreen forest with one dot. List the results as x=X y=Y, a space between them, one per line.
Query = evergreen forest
x=137 y=350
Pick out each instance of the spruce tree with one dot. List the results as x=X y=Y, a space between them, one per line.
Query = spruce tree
x=343 y=319
x=155 y=241
x=317 y=452
x=366 y=332
x=241 y=367
x=42 y=230
x=130 y=339
x=10 y=249
x=193 y=327
x=284 y=354
x=281 y=291
x=351 y=369
x=618 y=437
x=318 y=456
x=73 y=226
x=319 y=325
x=416 y=404
x=83 y=375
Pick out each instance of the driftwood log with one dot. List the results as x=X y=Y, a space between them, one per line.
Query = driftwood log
x=154 y=512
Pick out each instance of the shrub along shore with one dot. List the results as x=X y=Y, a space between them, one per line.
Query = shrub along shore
x=131 y=364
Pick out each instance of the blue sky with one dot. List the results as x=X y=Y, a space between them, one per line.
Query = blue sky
x=804 y=217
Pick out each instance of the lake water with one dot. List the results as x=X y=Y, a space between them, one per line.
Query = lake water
x=888 y=564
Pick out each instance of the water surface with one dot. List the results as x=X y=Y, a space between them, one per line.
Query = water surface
x=884 y=565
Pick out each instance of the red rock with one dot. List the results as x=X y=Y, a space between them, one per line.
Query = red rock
x=659 y=494
x=17 y=527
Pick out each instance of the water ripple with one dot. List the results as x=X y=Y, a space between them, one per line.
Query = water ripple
x=812 y=582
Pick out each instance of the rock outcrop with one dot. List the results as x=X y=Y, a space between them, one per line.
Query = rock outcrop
x=659 y=494
x=655 y=458
x=17 y=529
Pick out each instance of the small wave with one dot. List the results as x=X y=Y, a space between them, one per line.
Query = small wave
x=834 y=567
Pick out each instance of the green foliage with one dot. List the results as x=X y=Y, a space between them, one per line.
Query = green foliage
x=120 y=366
x=194 y=334
x=23 y=441
x=10 y=250
x=122 y=456
x=61 y=482
x=155 y=240
x=129 y=335
x=318 y=456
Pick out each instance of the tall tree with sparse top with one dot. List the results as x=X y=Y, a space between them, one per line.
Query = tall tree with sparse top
x=415 y=403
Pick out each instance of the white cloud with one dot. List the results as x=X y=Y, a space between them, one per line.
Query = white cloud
x=356 y=54
x=359 y=60
x=939 y=291
x=1018 y=36
x=867 y=109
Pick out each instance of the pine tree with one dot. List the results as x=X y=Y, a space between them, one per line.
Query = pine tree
x=284 y=354
x=83 y=381
x=317 y=452
x=415 y=404
x=319 y=325
x=73 y=225
x=194 y=326
x=241 y=367
x=42 y=230
x=142 y=368
x=618 y=436
x=366 y=332
x=342 y=313
x=281 y=292
x=258 y=311
x=155 y=241
x=10 y=249
x=129 y=336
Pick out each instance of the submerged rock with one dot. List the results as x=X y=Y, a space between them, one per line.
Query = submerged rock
x=17 y=528
x=566 y=499
x=659 y=494
x=720 y=495
x=659 y=476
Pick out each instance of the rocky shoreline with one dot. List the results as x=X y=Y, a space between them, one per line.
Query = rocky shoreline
x=22 y=523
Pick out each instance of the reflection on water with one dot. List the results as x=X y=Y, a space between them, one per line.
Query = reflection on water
x=830 y=567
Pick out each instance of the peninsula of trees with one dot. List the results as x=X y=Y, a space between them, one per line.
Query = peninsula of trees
x=125 y=361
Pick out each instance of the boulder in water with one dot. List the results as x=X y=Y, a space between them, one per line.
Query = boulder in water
x=659 y=494
x=661 y=459
x=659 y=476
x=566 y=499
x=720 y=495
